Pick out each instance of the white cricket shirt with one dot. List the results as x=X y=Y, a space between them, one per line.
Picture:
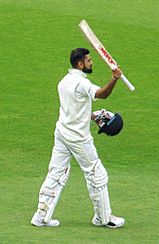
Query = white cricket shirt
x=76 y=93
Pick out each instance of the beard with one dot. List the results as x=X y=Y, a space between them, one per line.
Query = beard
x=87 y=71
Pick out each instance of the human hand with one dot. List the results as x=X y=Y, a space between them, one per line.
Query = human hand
x=116 y=73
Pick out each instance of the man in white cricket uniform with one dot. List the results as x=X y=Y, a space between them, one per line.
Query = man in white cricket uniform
x=73 y=139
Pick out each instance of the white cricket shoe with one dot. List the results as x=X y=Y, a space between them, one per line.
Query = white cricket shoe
x=40 y=223
x=114 y=222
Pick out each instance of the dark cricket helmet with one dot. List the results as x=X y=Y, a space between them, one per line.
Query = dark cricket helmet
x=111 y=126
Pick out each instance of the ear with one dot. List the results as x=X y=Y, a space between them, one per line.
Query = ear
x=80 y=65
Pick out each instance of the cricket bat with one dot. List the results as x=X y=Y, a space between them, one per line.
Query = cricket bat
x=101 y=50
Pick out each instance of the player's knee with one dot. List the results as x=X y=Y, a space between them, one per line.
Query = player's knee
x=53 y=181
x=100 y=171
x=98 y=176
x=64 y=177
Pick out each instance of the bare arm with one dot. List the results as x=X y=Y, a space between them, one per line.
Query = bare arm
x=106 y=90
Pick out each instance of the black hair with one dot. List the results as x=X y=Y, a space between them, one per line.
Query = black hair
x=77 y=55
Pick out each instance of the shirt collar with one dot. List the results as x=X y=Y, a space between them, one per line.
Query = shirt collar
x=77 y=71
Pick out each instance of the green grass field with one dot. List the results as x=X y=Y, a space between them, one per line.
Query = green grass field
x=36 y=37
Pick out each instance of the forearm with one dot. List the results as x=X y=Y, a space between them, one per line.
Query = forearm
x=106 y=90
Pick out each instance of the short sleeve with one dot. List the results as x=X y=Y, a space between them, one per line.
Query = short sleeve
x=86 y=88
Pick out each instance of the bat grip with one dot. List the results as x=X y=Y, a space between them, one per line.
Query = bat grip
x=127 y=82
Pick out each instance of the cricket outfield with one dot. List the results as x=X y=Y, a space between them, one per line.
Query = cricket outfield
x=35 y=42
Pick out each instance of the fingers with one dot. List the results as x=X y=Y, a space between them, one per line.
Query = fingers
x=116 y=73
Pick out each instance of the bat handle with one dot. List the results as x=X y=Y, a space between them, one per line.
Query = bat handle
x=127 y=82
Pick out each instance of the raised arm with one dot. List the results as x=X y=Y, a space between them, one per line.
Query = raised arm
x=106 y=90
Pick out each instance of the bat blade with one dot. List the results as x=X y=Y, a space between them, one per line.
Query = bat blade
x=101 y=50
x=96 y=44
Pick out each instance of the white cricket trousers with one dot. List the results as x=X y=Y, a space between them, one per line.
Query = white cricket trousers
x=95 y=175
